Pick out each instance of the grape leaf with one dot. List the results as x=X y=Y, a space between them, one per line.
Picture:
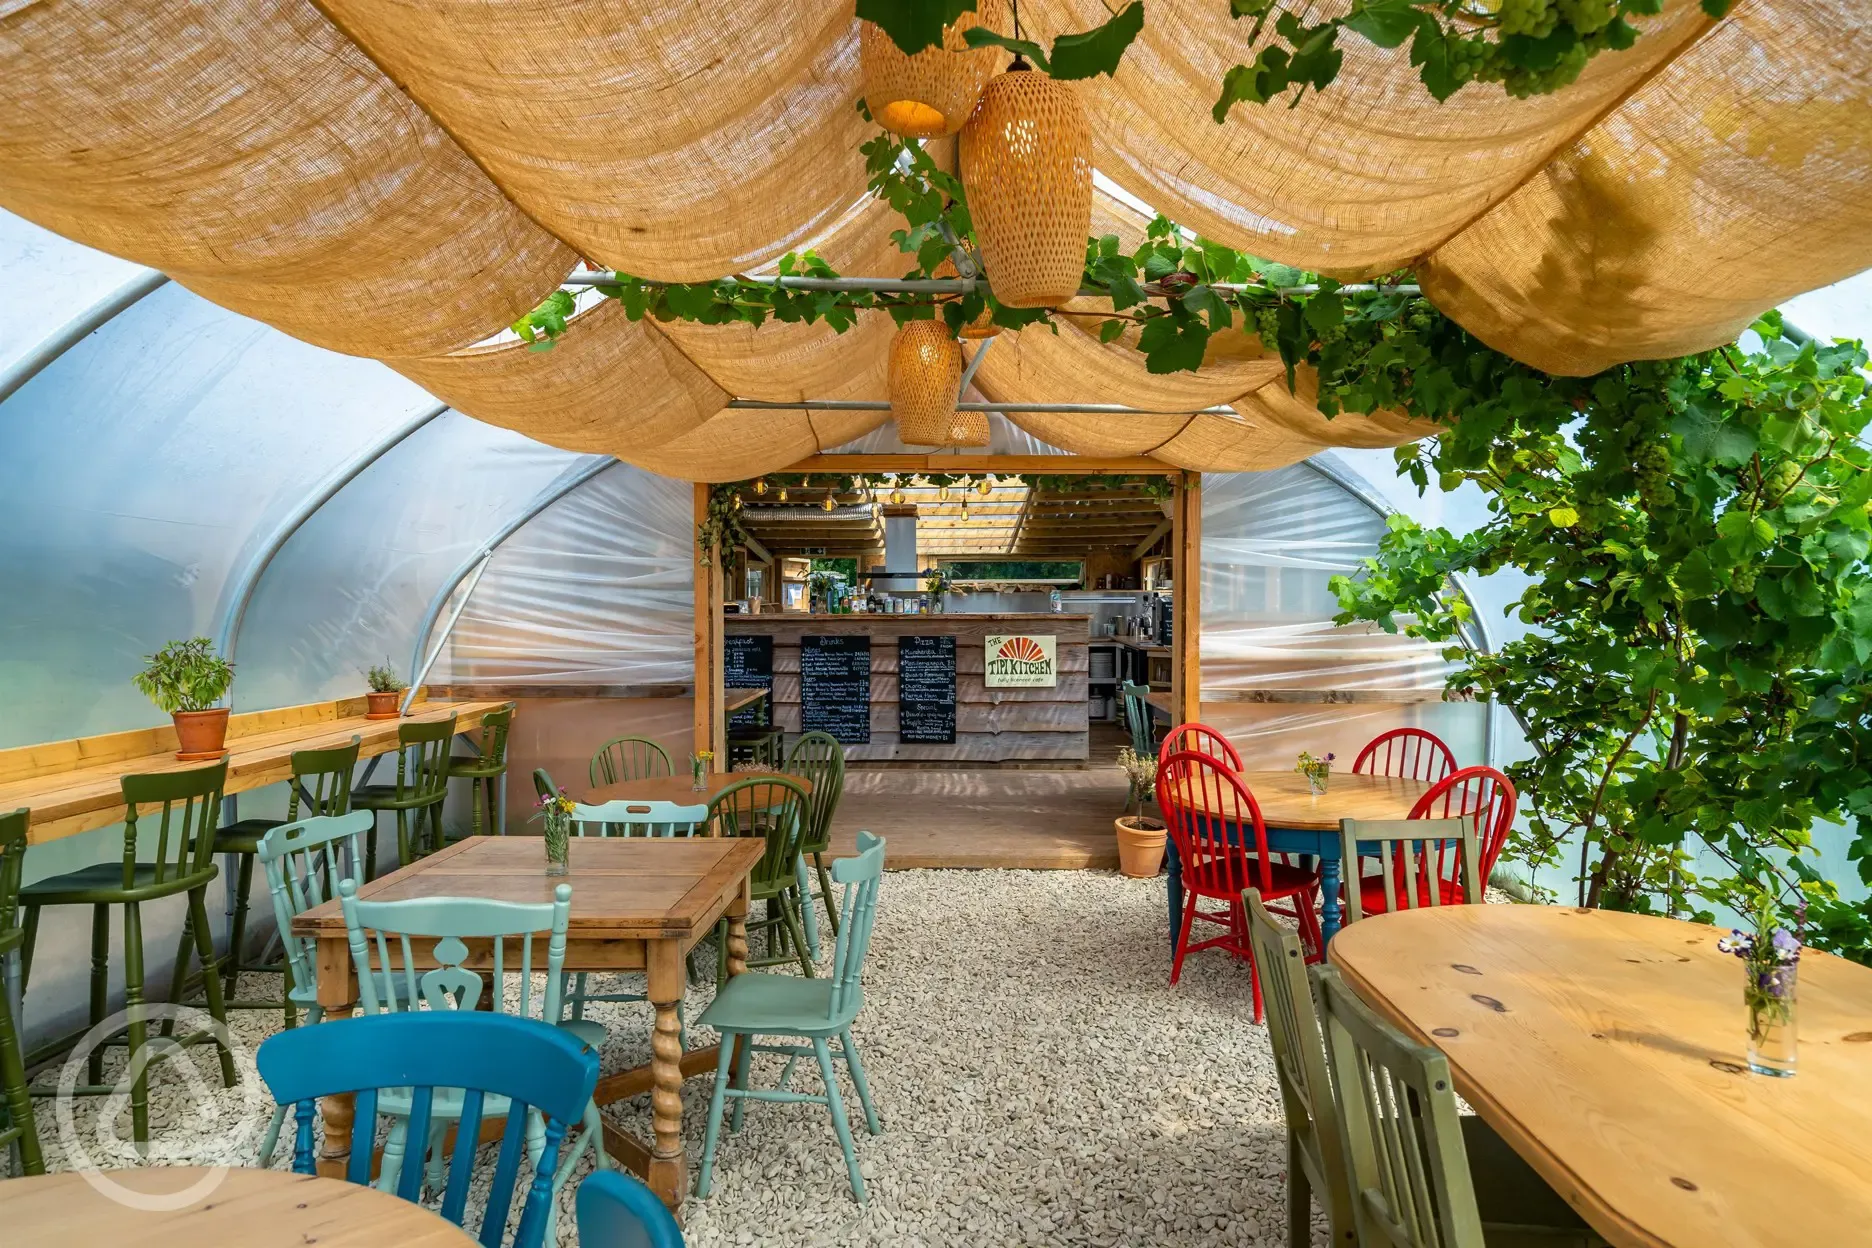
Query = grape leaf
x=1098 y=51
x=914 y=25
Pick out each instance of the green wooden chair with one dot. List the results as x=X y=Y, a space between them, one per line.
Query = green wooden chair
x=17 y=1128
x=1420 y=1174
x=1137 y=715
x=322 y=780
x=182 y=863
x=385 y=937
x=753 y=1004
x=820 y=759
x=628 y=758
x=543 y=783
x=304 y=862
x=773 y=807
x=487 y=772
x=1418 y=850
x=759 y=743
x=422 y=773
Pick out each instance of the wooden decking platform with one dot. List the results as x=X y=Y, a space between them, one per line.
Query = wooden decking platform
x=985 y=818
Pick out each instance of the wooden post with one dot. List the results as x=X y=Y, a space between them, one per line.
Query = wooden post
x=710 y=728
x=1186 y=573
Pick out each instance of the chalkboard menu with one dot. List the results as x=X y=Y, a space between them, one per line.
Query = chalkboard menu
x=747 y=663
x=835 y=687
x=926 y=690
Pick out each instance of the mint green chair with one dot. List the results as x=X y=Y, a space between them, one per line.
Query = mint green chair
x=422 y=775
x=1419 y=1173
x=1137 y=713
x=182 y=863
x=384 y=937
x=487 y=772
x=819 y=759
x=753 y=1004
x=628 y=758
x=18 y=1127
x=773 y=807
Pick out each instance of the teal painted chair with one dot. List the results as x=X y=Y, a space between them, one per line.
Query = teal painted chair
x=535 y=1076
x=618 y=1210
x=320 y=785
x=753 y=1004
x=18 y=1128
x=487 y=773
x=1420 y=1174
x=384 y=938
x=773 y=807
x=819 y=759
x=422 y=775
x=628 y=758
x=1137 y=715
x=182 y=863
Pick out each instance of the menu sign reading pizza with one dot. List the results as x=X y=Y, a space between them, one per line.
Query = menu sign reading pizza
x=1019 y=661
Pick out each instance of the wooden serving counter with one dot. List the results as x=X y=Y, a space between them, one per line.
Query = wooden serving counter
x=991 y=725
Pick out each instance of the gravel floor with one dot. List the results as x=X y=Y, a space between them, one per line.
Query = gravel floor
x=1038 y=1080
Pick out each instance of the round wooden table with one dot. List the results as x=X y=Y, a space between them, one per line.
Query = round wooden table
x=681 y=789
x=249 y=1207
x=1609 y=1050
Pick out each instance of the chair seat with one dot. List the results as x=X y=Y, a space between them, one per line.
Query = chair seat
x=102 y=883
x=244 y=836
x=384 y=797
x=1372 y=894
x=473 y=770
x=751 y=734
x=755 y=1001
x=1287 y=880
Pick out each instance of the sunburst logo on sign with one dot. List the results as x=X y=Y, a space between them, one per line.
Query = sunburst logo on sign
x=1018 y=661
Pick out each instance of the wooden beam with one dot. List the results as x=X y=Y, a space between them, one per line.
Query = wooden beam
x=1335 y=697
x=709 y=725
x=1186 y=626
x=757 y=550
x=1156 y=535
x=1065 y=465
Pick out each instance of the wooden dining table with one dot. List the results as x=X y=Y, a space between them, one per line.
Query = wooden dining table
x=225 y=1205
x=1300 y=821
x=638 y=904
x=1609 y=1050
x=681 y=789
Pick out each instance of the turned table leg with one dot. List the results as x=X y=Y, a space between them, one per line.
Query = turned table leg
x=669 y=1168
x=337 y=998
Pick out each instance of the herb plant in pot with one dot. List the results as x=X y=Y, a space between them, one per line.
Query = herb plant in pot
x=386 y=688
x=186 y=679
x=1140 y=837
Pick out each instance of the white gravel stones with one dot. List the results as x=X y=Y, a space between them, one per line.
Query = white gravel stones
x=1039 y=1082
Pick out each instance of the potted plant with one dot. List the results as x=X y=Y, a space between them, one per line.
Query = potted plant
x=1140 y=837
x=936 y=585
x=186 y=679
x=385 y=688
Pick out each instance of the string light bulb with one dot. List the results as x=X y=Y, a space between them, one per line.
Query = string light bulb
x=828 y=504
x=897 y=496
x=985 y=487
x=760 y=485
x=737 y=502
x=965 y=509
x=783 y=493
x=942 y=492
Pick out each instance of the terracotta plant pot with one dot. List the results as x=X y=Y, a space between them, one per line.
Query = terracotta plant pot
x=383 y=705
x=1140 y=846
x=201 y=734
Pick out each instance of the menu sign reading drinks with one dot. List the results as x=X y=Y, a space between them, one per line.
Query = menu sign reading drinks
x=835 y=686
x=747 y=663
x=1019 y=661
x=926 y=690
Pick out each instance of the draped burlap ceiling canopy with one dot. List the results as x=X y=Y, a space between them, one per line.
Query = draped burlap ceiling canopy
x=401 y=178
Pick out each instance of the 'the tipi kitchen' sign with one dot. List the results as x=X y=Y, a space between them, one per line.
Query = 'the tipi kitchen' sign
x=1019 y=661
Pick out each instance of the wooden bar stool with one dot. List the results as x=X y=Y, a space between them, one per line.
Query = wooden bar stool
x=17 y=1127
x=422 y=773
x=488 y=772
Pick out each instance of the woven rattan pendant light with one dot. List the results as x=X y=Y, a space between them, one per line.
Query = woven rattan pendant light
x=1027 y=165
x=925 y=374
x=931 y=93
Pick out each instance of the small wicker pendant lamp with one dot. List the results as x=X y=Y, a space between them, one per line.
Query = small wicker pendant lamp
x=931 y=93
x=1027 y=164
x=925 y=374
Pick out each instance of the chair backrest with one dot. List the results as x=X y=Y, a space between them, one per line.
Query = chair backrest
x=1409 y=753
x=185 y=826
x=324 y=778
x=543 y=783
x=769 y=806
x=1406 y=1164
x=1482 y=795
x=396 y=981
x=1300 y=1061
x=861 y=877
x=494 y=728
x=12 y=863
x=618 y=1210
x=624 y=817
x=1138 y=717
x=1419 y=858
x=1220 y=837
x=628 y=758
x=820 y=759
x=538 y=1068
x=304 y=862
x=422 y=766
x=1202 y=739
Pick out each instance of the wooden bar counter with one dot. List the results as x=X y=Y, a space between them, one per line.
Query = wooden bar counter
x=992 y=725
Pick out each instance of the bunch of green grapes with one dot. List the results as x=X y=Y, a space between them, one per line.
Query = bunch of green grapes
x=1522 y=83
x=1651 y=468
x=1534 y=18
x=1585 y=16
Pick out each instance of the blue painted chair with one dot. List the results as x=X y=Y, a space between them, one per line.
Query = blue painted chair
x=617 y=1210
x=385 y=938
x=540 y=1078
x=754 y=1004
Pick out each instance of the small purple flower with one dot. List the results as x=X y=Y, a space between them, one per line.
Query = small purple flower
x=1737 y=942
x=1787 y=946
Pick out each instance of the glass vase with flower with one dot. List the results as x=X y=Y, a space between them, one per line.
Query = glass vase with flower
x=1770 y=956
x=699 y=769
x=1316 y=771
x=555 y=819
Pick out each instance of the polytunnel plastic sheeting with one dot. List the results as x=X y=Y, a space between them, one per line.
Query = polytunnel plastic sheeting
x=598 y=589
x=46 y=284
x=141 y=469
x=350 y=588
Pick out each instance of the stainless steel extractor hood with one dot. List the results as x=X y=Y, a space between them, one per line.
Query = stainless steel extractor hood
x=900 y=550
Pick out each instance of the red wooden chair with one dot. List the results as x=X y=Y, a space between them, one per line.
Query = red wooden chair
x=1408 y=753
x=1480 y=794
x=1223 y=846
x=1202 y=739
